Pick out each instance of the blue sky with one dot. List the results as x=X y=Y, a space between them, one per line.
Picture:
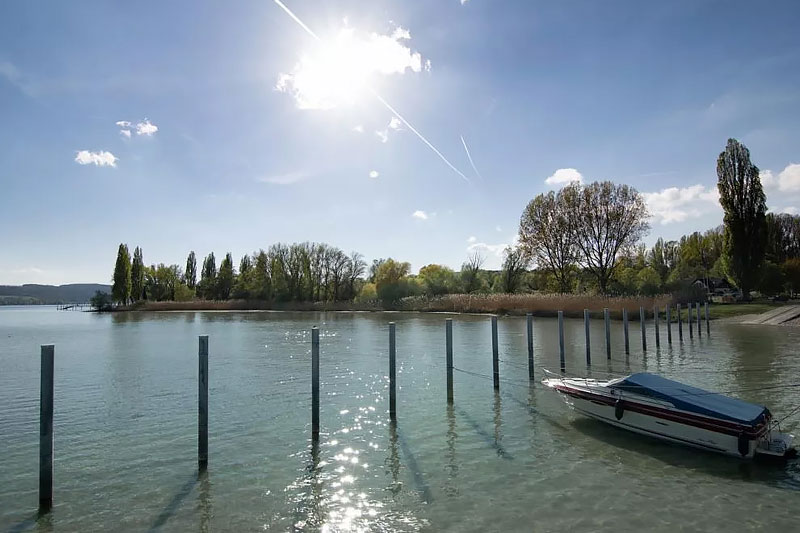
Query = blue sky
x=251 y=132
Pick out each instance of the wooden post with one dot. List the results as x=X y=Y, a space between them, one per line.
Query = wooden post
x=46 y=427
x=315 y=384
x=699 y=329
x=561 y=341
x=680 y=324
x=708 y=324
x=588 y=337
x=643 y=324
x=625 y=330
x=449 y=341
x=202 y=402
x=668 y=310
x=495 y=356
x=392 y=374
x=607 y=321
x=689 y=320
x=529 y=317
x=655 y=322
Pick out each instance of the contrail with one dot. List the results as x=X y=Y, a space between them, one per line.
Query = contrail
x=384 y=102
x=471 y=162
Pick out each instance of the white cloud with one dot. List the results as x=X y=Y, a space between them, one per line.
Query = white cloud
x=789 y=210
x=472 y=239
x=9 y=71
x=359 y=129
x=675 y=204
x=395 y=124
x=125 y=133
x=498 y=229
x=464 y=2
x=146 y=128
x=420 y=215
x=787 y=180
x=564 y=176
x=340 y=70
x=101 y=159
x=383 y=135
x=374 y=174
x=123 y=124
x=285 y=179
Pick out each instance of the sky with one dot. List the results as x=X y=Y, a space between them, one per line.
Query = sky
x=412 y=129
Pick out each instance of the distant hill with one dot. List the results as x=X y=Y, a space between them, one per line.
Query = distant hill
x=49 y=294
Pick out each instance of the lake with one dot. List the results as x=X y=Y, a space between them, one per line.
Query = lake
x=126 y=427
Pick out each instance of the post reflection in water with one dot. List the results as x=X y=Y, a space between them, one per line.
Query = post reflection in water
x=204 y=500
x=451 y=486
x=393 y=461
x=498 y=423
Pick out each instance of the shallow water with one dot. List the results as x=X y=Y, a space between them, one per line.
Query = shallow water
x=126 y=434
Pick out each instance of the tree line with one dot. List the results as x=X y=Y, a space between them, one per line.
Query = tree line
x=582 y=238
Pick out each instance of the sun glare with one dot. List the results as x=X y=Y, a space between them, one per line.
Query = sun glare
x=339 y=71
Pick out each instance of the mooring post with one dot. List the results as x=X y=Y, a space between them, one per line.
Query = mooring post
x=708 y=324
x=625 y=330
x=46 y=427
x=699 y=329
x=655 y=322
x=495 y=356
x=689 y=320
x=202 y=402
x=315 y=384
x=561 y=341
x=643 y=324
x=588 y=337
x=449 y=341
x=680 y=324
x=392 y=374
x=529 y=318
x=667 y=310
x=607 y=321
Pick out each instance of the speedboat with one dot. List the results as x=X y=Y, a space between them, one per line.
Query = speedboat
x=668 y=410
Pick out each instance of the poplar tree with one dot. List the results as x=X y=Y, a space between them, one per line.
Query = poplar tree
x=208 y=277
x=191 y=270
x=745 y=205
x=137 y=275
x=225 y=278
x=121 y=290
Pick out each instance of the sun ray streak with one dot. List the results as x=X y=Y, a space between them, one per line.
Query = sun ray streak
x=384 y=102
x=469 y=156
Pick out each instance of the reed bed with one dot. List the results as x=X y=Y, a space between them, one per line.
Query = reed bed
x=501 y=304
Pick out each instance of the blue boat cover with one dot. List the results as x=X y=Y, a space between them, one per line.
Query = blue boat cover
x=692 y=399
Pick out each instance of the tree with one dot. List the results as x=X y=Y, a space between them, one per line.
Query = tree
x=206 y=289
x=470 y=272
x=225 y=278
x=783 y=237
x=191 y=271
x=771 y=279
x=744 y=203
x=791 y=272
x=547 y=236
x=101 y=301
x=121 y=290
x=514 y=264
x=608 y=220
x=391 y=281
x=161 y=281
x=137 y=275
x=437 y=280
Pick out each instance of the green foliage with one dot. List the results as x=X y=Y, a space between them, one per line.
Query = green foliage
x=183 y=293
x=771 y=280
x=648 y=281
x=471 y=280
x=744 y=203
x=207 y=287
x=225 y=278
x=791 y=272
x=137 y=275
x=101 y=301
x=392 y=283
x=190 y=275
x=121 y=289
x=368 y=293
x=161 y=282
x=438 y=279
x=514 y=264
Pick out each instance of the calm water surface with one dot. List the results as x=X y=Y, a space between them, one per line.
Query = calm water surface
x=126 y=415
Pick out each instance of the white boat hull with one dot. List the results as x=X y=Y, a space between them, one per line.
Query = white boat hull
x=662 y=420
